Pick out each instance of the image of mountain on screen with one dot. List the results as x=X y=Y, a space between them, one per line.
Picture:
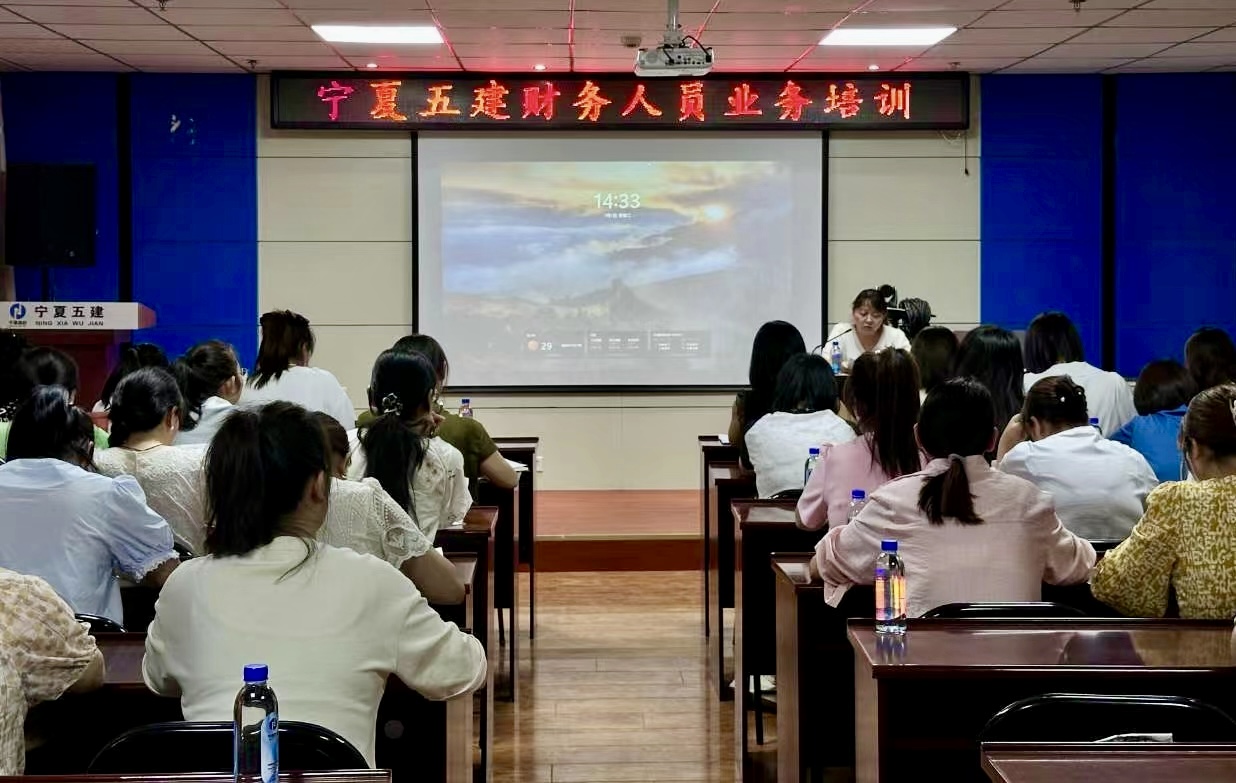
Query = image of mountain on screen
x=618 y=303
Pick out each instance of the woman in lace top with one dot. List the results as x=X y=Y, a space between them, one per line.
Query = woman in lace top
x=422 y=472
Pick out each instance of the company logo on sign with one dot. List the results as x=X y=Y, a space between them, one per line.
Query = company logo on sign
x=17 y=311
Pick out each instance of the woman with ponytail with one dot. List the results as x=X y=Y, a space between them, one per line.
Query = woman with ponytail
x=282 y=371
x=399 y=448
x=63 y=522
x=332 y=624
x=211 y=381
x=146 y=415
x=967 y=532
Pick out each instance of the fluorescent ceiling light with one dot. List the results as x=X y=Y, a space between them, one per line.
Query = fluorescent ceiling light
x=378 y=34
x=887 y=36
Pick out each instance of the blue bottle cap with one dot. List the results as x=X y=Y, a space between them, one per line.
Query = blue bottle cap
x=466 y=400
x=257 y=672
x=814 y=451
x=1094 y=421
x=888 y=546
x=857 y=494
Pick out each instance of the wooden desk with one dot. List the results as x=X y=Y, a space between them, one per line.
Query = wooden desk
x=762 y=528
x=506 y=570
x=815 y=674
x=712 y=451
x=524 y=450
x=461 y=614
x=340 y=776
x=1109 y=763
x=476 y=537
x=726 y=482
x=966 y=671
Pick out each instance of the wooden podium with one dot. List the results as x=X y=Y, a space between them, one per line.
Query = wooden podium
x=90 y=332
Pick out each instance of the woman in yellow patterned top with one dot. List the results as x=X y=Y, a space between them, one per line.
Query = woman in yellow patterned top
x=1187 y=537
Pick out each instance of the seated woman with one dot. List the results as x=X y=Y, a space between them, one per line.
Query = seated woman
x=967 y=532
x=1210 y=356
x=1161 y=397
x=145 y=414
x=211 y=381
x=68 y=525
x=1187 y=539
x=992 y=356
x=804 y=416
x=363 y=518
x=883 y=394
x=41 y=367
x=775 y=342
x=134 y=357
x=935 y=351
x=44 y=653
x=331 y=624
x=282 y=371
x=1053 y=348
x=1099 y=486
x=422 y=472
x=866 y=331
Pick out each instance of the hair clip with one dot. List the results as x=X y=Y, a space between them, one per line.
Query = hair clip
x=391 y=404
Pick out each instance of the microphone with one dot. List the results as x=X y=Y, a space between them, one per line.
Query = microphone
x=820 y=348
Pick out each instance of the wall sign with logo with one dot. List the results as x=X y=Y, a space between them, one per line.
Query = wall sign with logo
x=464 y=101
x=74 y=316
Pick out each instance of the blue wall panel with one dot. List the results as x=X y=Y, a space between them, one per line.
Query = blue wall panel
x=1175 y=213
x=69 y=118
x=195 y=207
x=1041 y=201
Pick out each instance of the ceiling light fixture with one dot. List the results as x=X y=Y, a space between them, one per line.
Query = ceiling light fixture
x=887 y=36
x=873 y=67
x=378 y=34
x=371 y=65
x=539 y=67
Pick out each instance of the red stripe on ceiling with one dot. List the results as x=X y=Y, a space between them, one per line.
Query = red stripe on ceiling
x=707 y=18
x=571 y=37
x=843 y=20
x=445 y=39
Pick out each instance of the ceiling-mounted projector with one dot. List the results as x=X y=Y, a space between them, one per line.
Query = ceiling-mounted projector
x=673 y=57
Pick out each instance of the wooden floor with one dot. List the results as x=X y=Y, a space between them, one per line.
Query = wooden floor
x=613 y=688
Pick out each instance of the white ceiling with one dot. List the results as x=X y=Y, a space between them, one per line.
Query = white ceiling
x=1111 y=36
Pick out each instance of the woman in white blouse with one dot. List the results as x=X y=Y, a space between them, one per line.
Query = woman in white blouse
x=867 y=331
x=1099 y=486
x=211 y=381
x=282 y=371
x=422 y=472
x=803 y=416
x=330 y=623
x=1053 y=347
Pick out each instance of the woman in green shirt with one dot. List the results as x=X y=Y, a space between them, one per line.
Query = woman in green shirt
x=39 y=367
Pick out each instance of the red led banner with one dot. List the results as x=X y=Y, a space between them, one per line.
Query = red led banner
x=419 y=101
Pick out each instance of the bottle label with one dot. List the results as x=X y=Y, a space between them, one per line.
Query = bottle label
x=270 y=748
x=880 y=580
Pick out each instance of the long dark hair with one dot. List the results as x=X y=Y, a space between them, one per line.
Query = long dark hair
x=992 y=356
x=286 y=337
x=395 y=442
x=48 y=426
x=1210 y=356
x=428 y=347
x=958 y=421
x=805 y=385
x=775 y=342
x=141 y=402
x=1056 y=400
x=133 y=356
x=1052 y=339
x=257 y=468
x=882 y=393
x=199 y=373
x=934 y=350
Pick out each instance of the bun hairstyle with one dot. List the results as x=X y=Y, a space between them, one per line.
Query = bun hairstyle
x=257 y=469
x=141 y=402
x=1211 y=421
x=48 y=426
x=395 y=442
x=199 y=373
x=1058 y=401
x=286 y=337
x=134 y=357
x=958 y=421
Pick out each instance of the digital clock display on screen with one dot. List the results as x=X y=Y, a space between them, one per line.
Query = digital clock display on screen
x=617 y=200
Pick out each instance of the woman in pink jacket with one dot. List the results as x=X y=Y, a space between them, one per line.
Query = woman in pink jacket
x=967 y=532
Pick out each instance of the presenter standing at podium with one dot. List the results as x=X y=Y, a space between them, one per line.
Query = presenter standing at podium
x=867 y=331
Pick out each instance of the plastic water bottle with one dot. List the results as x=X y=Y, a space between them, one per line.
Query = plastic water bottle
x=858 y=499
x=255 y=730
x=890 y=590
x=465 y=408
x=1094 y=422
x=834 y=356
x=813 y=459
